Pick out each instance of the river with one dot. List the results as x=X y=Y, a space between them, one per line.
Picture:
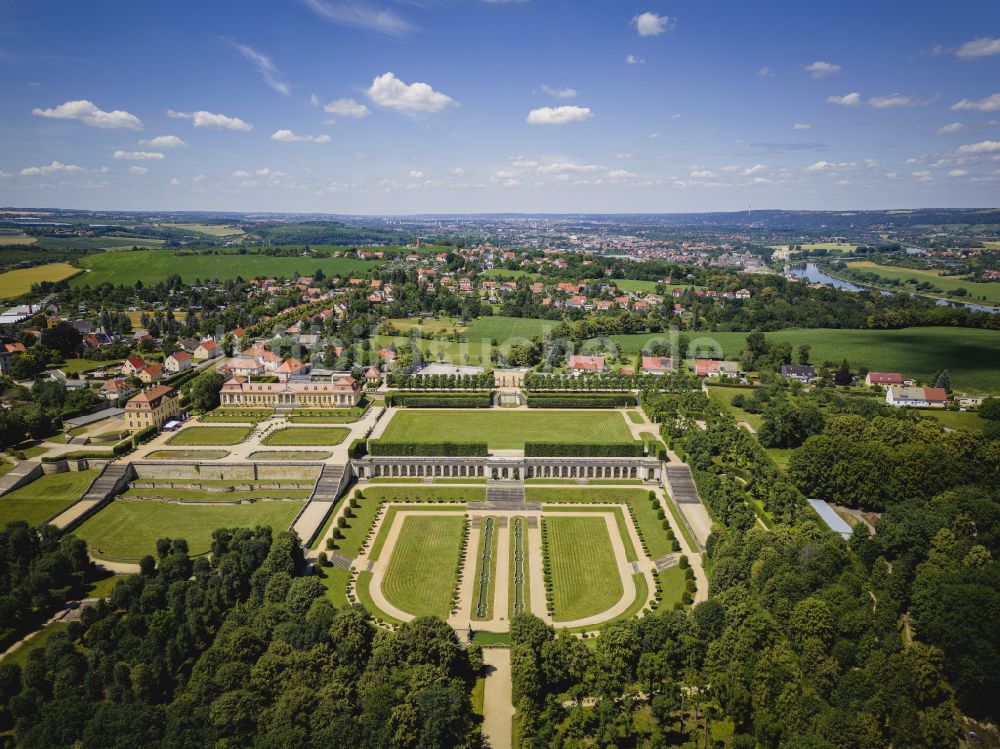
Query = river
x=811 y=272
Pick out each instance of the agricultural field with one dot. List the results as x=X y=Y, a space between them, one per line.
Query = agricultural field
x=209 y=436
x=971 y=354
x=428 y=324
x=502 y=329
x=648 y=287
x=507 y=430
x=153 y=266
x=420 y=577
x=969 y=420
x=98 y=243
x=8 y=240
x=212 y=230
x=44 y=497
x=296 y=436
x=14 y=283
x=988 y=292
x=585 y=576
x=828 y=246
x=127 y=529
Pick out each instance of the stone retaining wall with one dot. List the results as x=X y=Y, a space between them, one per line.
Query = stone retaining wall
x=227 y=471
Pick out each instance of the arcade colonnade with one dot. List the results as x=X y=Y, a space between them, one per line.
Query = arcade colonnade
x=512 y=469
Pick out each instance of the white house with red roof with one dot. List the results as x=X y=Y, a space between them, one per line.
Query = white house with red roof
x=657 y=365
x=578 y=363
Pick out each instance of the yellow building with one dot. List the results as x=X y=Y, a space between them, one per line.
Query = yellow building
x=240 y=392
x=152 y=407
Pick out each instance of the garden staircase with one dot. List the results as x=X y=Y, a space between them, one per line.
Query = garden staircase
x=681 y=485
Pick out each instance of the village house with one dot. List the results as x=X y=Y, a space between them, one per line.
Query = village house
x=657 y=365
x=884 y=379
x=178 y=362
x=207 y=350
x=132 y=365
x=586 y=364
x=150 y=373
x=115 y=388
x=290 y=368
x=243 y=365
x=916 y=397
x=800 y=372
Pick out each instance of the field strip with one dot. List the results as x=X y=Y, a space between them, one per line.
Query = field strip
x=467 y=587
x=536 y=579
x=502 y=574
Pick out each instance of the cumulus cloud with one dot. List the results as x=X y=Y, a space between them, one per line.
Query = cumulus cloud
x=983 y=47
x=139 y=155
x=801 y=126
x=621 y=174
x=361 y=15
x=896 y=100
x=958 y=173
x=985 y=146
x=163 y=141
x=211 y=120
x=287 y=136
x=416 y=174
x=137 y=169
x=852 y=99
x=347 y=108
x=633 y=60
x=650 y=24
x=56 y=167
x=824 y=166
x=558 y=115
x=755 y=169
x=765 y=72
x=989 y=103
x=265 y=66
x=951 y=128
x=390 y=92
x=87 y=112
x=821 y=69
x=559 y=93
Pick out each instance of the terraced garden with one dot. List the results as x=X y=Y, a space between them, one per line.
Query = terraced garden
x=420 y=578
x=193 y=436
x=297 y=436
x=44 y=497
x=585 y=576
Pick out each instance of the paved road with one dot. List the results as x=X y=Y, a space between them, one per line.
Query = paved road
x=497 y=703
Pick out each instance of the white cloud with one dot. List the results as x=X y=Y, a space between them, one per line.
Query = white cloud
x=287 y=136
x=623 y=155
x=5 y=174
x=347 y=108
x=559 y=93
x=88 y=113
x=765 y=72
x=821 y=69
x=650 y=24
x=986 y=146
x=138 y=169
x=852 y=99
x=390 y=92
x=633 y=60
x=755 y=169
x=702 y=173
x=313 y=100
x=360 y=15
x=801 y=126
x=958 y=173
x=241 y=174
x=139 y=155
x=558 y=115
x=620 y=174
x=989 y=103
x=923 y=176
x=824 y=166
x=653 y=136
x=984 y=47
x=268 y=72
x=416 y=174
x=951 y=128
x=564 y=167
x=212 y=120
x=56 y=167
x=896 y=100
x=174 y=182
x=163 y=141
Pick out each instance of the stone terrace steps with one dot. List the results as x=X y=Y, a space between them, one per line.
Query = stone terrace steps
x=328 y=485
x=507 y=496
x=107 y=483
x=339 y=560
x=19 y=474
x=681 y=485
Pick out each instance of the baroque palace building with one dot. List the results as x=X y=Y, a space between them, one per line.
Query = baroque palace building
x=241 y=392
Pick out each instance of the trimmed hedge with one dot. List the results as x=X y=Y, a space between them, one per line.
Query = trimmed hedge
x=358 y=449
x=438 y=400
x=581 y=400
x=583 y=450
x=451 y=449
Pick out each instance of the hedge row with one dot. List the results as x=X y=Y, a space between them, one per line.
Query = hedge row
x=581 y=400
x=583 y=450
x=451 y=449
x=438 y=400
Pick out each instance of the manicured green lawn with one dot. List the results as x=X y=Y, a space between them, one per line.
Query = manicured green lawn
x=194 y=495
x=486 y=557
x=972 y=355
x=289 y=455
x=128 y=529
x=635 y=417
x=969 y=420
x=585 y=577
x=365 y=598
x=518 y=585
x=188 y=454
x=335 y=581
x=210 y=436
x=630 y=553
x=420 y=578
x=102 y=587
x=44 y=497
x=235 y=416
x=158 y=265
x=723 y=396
x=307 y=436
x=673 y=581
x=357 y=527
x=584 y=494
x=506 y=430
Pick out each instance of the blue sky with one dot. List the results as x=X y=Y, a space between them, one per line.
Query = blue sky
x=408 y=106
